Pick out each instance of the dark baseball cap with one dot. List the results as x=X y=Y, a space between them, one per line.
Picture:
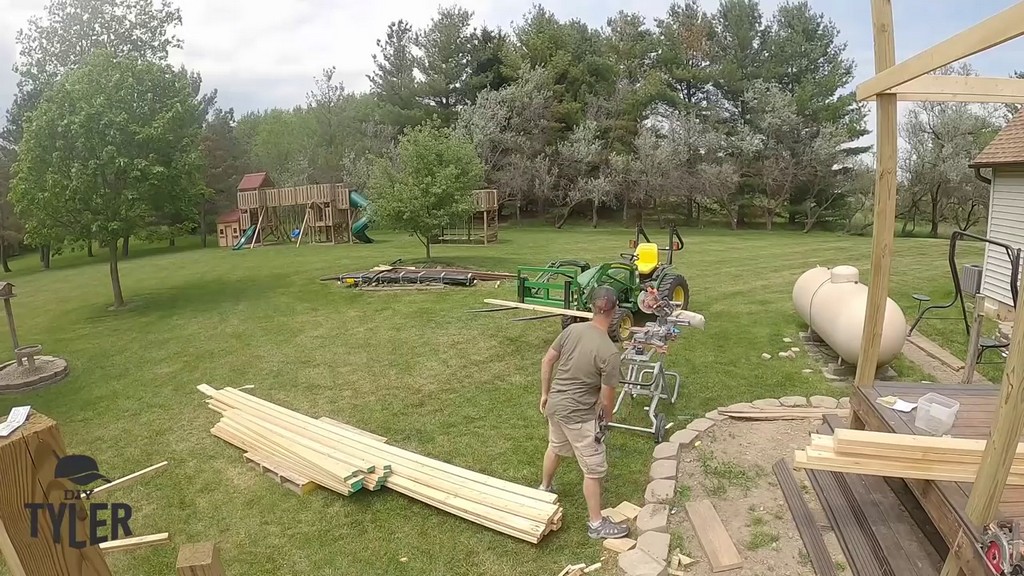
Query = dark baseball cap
x=603 y=299
x=79 y=469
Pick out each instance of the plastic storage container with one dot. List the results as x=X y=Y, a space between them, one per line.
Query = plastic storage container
x=936 y=413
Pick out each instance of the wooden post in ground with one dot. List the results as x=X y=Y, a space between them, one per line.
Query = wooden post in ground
x=259 y=226
x=28 y=458
x=1001 y=447
x=974 y=340
x=10 y=324
x=885 y=199
x=199 y=560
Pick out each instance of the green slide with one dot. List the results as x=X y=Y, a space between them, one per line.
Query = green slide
x=360 y=226
x=246 y=237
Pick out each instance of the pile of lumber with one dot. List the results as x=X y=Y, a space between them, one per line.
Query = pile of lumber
x=900 y=456
x=345 y=459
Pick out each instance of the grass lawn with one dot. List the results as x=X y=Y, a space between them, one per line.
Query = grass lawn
x=410 y=366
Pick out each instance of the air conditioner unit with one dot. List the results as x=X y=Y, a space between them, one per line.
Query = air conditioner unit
x=970 y=279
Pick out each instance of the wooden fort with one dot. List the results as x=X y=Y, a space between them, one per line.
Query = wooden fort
x=958 y=512
x=480 y=228
x=322 y=213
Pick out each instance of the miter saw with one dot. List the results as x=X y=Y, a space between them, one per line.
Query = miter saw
x=1001 y=545
x=643 y=360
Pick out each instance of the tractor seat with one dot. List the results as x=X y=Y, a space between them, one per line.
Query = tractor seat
x=646 y=257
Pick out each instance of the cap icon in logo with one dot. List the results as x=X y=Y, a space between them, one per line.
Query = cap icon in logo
x=79 y=469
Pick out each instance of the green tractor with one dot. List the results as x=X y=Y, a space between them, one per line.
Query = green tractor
x=567 y=283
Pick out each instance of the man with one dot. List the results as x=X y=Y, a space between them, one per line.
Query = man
x=578 y=377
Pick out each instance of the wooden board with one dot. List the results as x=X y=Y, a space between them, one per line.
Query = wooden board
x=124 y=544
x=538 y=308
x=806 y=525
x=199 y=560
x=713 y=536
x=280 y=473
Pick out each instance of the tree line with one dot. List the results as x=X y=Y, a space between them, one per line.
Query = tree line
x=730 y=115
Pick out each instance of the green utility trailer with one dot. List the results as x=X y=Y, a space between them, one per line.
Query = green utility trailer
x=567 y=284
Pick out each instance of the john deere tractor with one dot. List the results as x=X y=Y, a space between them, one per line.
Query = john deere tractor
x=567 y=284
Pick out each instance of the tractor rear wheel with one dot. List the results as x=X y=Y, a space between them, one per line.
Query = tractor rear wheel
x=674 y=287
x=622 y=321
x=569 y=321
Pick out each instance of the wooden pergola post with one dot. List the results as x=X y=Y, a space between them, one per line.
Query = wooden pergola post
x=884 y=226
x=28 y=458
x=909 y=81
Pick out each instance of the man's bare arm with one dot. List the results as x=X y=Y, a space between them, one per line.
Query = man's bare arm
x=607 y=402
x=547 y=366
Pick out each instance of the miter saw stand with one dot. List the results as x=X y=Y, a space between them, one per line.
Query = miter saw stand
x=643 y=370
x=1002 y=546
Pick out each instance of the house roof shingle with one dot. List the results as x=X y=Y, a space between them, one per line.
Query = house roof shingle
x=1006 y=148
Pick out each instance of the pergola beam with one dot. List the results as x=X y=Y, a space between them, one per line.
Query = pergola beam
x=940 y=88
x=993 y=31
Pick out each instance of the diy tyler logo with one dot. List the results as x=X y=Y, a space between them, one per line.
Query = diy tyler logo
x=81 y=471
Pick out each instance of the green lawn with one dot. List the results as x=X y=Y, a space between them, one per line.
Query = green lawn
x=411 y=366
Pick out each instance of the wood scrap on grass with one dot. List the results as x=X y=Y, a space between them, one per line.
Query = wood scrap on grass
x=345 y=459
x=751 y=412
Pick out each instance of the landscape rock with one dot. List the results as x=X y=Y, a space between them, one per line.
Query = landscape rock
x=787 y=354
x=767 y=403
x=654 y=543
x=714 y=415
x=667 y=450
x=652 y=518
x=793 y=401
x=684 y=438
x=844 y=403
x=787 y=340
x=807 y=371
x=639 y=563
x=664 y=469
x=766 y=356
x=794 y=349
x=824 y=402
x=700 y=425
x=659 y=491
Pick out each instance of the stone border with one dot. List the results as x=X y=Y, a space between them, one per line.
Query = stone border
x=650 y=557
x=40 y=381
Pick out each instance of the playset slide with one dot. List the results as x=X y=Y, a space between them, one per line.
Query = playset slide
x=246 y=237
x=360 y=226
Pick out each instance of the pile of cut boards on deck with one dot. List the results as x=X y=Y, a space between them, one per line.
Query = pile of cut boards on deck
x=345 y=459
x=900 y=456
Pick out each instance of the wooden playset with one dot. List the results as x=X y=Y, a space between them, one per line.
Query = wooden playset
x=480 y=228
x=318 y=213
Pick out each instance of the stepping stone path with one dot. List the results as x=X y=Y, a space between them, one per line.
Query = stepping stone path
x=664 y=469
x=793 y=401
x=700 y=425
x=715 y=416
x=659 y=491
x=652 y=518
x=684 y=438
x=639 y=563
x=767 y=403
x=824 y=402
x=656 y=544
x=666 y=450
x=844 y=403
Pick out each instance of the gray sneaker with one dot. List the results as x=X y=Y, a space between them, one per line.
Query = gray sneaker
x=607 y=529
x=550 y=489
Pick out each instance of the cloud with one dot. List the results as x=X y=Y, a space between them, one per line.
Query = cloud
x=266 y=53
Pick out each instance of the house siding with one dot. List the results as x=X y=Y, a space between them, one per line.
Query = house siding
x=1006 y=224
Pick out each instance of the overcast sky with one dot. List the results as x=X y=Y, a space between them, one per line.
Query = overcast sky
x=265 y=53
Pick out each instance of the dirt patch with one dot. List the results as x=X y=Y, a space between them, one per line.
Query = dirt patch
x=732 y=467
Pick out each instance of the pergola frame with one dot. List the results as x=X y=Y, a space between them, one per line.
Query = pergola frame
x=906 y=81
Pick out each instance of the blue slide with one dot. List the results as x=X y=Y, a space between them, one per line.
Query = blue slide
x=246 y=238
x=360 y=226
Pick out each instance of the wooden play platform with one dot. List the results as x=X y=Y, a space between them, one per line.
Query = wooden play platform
x=480 y=228
x=944 y=502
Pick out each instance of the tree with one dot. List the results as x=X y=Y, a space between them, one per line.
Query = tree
x=110 y=146
x=11 y=230
x=581 y=157
x=72 y=30
x=445 y=53
x=326 y=107
x=428 y=184
x=223 y=165
x=393 y=81
x=773 y=118
x=489 y=62
x=739 y=49
x=685 y=38
x=827 y=191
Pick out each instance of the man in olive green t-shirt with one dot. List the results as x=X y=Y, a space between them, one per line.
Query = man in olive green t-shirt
x=579 y=375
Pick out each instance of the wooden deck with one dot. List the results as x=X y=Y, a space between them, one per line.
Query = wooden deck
x=944 y=502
